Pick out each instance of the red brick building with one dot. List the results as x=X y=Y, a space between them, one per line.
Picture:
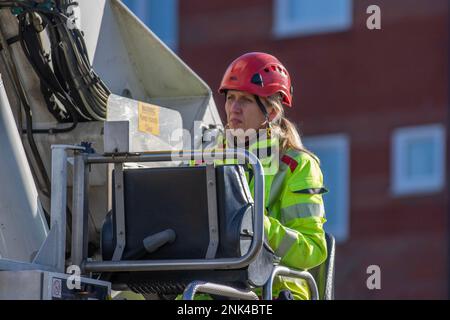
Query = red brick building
x=363 y=84
x=373 y=104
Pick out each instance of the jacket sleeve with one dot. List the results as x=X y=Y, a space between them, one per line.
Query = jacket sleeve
x=297 y=234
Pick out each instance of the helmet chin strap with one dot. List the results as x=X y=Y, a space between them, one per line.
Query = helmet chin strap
x=262 y=107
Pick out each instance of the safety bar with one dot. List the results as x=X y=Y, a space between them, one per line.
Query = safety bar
x=217 y=289
x=284 y=271
x=79 y=256
x=58 y=205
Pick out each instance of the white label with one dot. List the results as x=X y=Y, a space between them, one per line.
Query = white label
x=56 y=288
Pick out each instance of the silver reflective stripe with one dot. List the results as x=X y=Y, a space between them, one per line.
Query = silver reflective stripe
x=302 y=210
x=290 y=237
x=276 y=186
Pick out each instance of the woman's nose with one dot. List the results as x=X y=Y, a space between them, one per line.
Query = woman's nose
x=236 y=107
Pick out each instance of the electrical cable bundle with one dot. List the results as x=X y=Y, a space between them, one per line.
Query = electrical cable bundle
x=65 y=72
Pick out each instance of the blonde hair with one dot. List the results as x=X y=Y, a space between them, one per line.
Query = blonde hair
x=285 y=129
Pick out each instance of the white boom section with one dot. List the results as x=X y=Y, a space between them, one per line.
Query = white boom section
x=22 y=223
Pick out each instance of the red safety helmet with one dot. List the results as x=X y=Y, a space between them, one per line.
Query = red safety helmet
x=260 y=74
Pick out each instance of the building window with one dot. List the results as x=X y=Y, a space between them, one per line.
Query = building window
x=333 y=152
x=418 y=160
x=305 y=17
x=160 y=16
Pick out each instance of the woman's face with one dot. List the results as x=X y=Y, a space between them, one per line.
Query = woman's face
x=243 y=111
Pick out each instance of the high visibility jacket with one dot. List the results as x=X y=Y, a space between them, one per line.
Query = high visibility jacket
x=294 y=212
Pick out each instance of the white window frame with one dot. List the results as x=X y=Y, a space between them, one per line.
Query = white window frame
x=401 y=185
x=283 y=28
x=340 y=143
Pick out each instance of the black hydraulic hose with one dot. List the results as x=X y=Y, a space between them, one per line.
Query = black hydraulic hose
x=19 y=89
x=79 y=76
x=31 y=141
x=64 y=54
x=71 y=67
x=61 y=72
x=66 y=102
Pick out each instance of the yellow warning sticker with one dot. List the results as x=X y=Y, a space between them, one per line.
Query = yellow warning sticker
x=149 y=118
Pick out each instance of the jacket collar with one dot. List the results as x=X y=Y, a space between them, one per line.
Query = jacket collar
x=264 y=147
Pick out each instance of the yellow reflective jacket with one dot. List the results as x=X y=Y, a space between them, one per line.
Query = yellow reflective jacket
x=294 y=215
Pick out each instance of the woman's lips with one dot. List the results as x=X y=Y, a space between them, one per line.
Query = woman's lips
x=235 y=121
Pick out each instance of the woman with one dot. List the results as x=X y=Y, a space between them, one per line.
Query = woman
x=257 y=88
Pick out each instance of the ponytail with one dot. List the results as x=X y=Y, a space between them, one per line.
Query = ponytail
x=285 y=129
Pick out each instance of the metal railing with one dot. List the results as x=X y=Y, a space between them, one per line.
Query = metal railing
x=284 y=271
x=80 y=222
x=216 y=289
x=79 y=213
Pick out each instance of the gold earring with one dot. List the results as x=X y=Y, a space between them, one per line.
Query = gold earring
x=269 y=131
